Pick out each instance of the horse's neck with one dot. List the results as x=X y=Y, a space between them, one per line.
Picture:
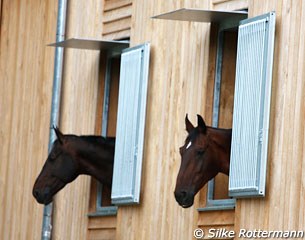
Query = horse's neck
x=97 y=161
x=222 y=140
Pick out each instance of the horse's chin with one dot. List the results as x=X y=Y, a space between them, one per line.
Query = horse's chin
x=186 y=202
x=187 y=205
x=45 y=201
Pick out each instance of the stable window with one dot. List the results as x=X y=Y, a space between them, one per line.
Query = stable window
x=123 y=116
x=110 y=70
x=224 y=54
x=254 y=52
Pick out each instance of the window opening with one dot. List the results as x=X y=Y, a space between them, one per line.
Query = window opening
x=226 y=32
x=103 y=197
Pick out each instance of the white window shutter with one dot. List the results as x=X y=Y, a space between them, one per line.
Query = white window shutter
x=252 y=98
x=130 y=125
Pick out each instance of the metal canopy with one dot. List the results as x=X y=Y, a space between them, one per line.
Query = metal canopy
x=199 y=15
x=90 y=44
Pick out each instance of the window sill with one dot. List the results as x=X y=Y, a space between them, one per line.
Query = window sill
x=215 y=205
x=104 y=211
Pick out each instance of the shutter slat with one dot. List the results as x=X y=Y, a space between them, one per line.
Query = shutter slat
x=251 y=106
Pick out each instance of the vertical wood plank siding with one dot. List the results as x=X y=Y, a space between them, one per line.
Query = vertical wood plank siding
x=26 y=75
x=177 y=85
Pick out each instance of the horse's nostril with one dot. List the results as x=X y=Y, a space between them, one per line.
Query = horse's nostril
x=181 y=195
x=36 y=193
x=184 y=198
x=40 y=194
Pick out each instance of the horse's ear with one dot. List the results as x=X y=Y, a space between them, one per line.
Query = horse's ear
x=188 y=125
x=201 y=124
x=60 y=136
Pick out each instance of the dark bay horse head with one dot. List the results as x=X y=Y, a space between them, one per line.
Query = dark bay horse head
x=205 y=153
x=71 y=156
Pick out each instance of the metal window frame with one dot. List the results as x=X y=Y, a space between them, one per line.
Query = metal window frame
x=100 y=210
x=106 y=210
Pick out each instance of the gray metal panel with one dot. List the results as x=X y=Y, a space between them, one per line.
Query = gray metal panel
x=252 y=106
x=130 y=125
x=104 y=211
x=90 y=44
x=218 y=204
x=106 y=97
x=199 y=15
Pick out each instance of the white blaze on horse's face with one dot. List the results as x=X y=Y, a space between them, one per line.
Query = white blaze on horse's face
x=188 y=145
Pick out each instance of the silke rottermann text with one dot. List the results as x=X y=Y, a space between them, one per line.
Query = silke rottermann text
x=244 y=233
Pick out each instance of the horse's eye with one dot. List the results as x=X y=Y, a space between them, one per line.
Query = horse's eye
x=200 y=151
x=53 y=156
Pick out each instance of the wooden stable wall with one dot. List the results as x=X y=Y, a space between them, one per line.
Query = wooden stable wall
x=177 y=85
x=26 y=75
x=283 y=208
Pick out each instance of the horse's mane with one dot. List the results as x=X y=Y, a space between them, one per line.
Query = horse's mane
x=92 y=139
x=99 y=140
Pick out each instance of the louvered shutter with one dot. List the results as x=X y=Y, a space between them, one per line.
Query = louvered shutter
x=130 y=125
x=252 y=98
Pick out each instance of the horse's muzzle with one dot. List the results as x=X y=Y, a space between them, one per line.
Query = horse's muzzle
x=42 y=196
x=185 y=199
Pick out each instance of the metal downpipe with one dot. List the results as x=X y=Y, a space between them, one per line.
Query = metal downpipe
x=46 y=232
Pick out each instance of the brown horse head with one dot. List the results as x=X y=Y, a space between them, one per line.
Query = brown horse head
x=59 y=169
x=71 y=156
x=205 y=153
